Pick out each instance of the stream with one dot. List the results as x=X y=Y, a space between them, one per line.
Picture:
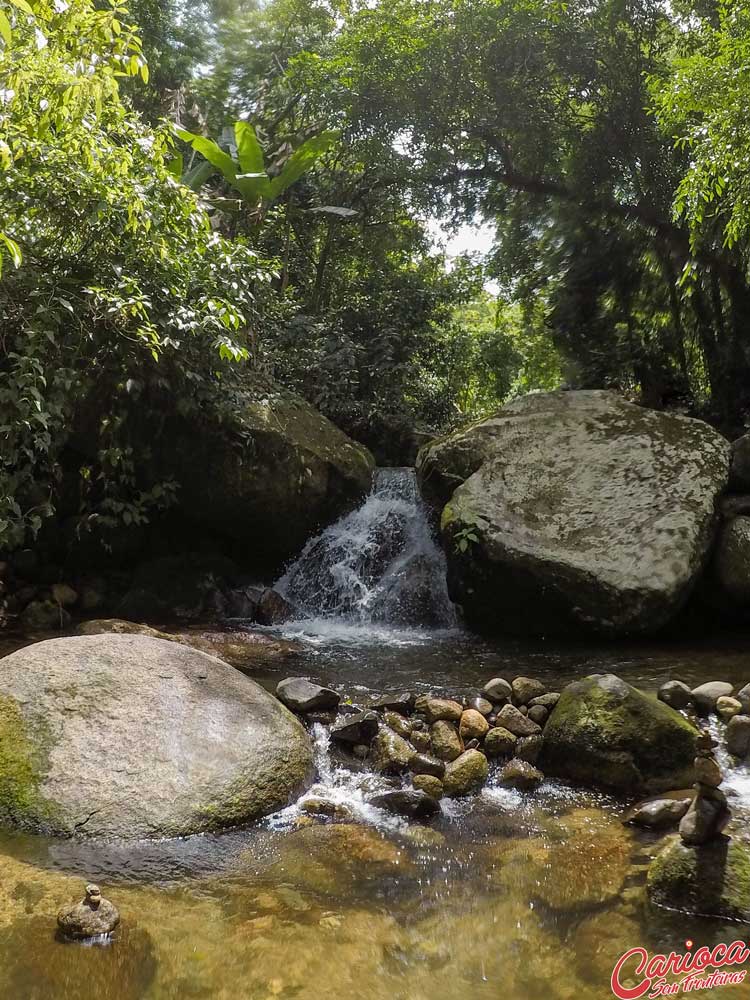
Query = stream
x=505 y=894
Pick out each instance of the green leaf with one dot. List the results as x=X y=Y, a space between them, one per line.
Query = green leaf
x=211 y=152
x=198 y=175
x=5 y=29
x=175 y=166
x=249 y=151
x=301 y=161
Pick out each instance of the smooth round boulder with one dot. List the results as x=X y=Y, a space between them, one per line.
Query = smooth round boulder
x=659 y=814
x=607 y=734
x=676 y=694
x=560 y=490
x=128 y=736
x=738 y=736
x=525 y=689
x=706 y=695
x=731 y=562
x=302 y=695
x=499 y=742
x=497 y=690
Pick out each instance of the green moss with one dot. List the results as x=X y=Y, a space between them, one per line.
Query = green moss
x=22 y=766
x=713 y=879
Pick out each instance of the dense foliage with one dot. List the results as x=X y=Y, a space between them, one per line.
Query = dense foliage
x=245 y=188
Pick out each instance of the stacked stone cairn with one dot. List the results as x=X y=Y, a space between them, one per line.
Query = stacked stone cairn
x=443 y=746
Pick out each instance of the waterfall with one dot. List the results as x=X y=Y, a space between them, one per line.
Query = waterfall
x=378 y=564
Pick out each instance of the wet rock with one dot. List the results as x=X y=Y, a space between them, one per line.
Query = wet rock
x=403 y=703
x=707 y=816
x=412 y=803
x=315 y=806
x=473 y=725
x=242 y=602
x=500 y=743
x=707 y=771
x=566 y=564
x=658 y=814
x=520 y=774
x=605 y=733
x=437 y=709
x=466 y=773
x=127 y=736
x=91 y=917
x=423 y=764
x=445 y=742
x=391 y=753
x=510 y=718
x=44 y=616
x=538 y=714
x=548 y=700
x=706 y=695
x=273 y=609
x=361 y=751
x=428 y=783
x=398 y=724
x=675 y=694
x=303 y=696
x=525 y=689
x=708 y=880
x=743 y=697
x=738 y=736
x=529 y=748
x=498 y=691
x=420 y=740
x=727 y=708
x=355 y=729
x=481 y=705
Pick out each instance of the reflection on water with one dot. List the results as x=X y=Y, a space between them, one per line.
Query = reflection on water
x=507 y=894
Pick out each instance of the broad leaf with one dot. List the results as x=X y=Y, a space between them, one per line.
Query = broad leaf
x=300 y=161
x=249 y=151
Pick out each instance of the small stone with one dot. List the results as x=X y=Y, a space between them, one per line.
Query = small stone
x=520 y=774
x=420 y=740
x=526 y=688
x=529 y=747
x=302 y=695
x=423 y=764
x=92 y=917
x=706 y=695
x=659 y=814
x=444 y=740
x=398 y=724
x=466 y=773
x=675 y=694
x=500 y=743
x=727 y=708
x=523 y=709
x=403 y=703
x=64 y=595
x=414 y=803
x=498 y=691
x=707 y=771
x=437 y=709
x=515 y=722
x=391 y=753
x=428 y=783
x=538 y=714
x=473 y=725
x=548 y=700
x=738 y=736
x=481 y=705
x=355 y=729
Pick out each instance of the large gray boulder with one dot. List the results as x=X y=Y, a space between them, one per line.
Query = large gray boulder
x=731 y=564
x=129 y=736
x=605 y=733
x=575 y=510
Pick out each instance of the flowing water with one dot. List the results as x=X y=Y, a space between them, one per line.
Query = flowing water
x=505 y=894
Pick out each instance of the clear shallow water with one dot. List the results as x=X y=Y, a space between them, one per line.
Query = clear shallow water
x=505 y=895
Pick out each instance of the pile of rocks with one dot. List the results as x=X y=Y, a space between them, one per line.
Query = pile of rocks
x=442 y=745
x=715 y=698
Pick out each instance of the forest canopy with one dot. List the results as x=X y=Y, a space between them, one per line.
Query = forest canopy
x=199 y=197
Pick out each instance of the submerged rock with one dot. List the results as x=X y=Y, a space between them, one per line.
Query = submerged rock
x=710 y=880
x=129 y=736
x=560 y=489
x=605 y=733
x=91 y=917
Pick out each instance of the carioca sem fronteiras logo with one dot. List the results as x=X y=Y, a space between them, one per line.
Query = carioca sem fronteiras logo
x=702 y=969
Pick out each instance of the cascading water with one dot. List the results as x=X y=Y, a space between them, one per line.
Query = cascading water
x=376 y=565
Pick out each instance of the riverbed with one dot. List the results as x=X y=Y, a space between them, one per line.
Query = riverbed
x=505 y=894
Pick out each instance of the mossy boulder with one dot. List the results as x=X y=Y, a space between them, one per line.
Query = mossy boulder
x=605 y=733
x=130 y=736
x=710 y=880
x=574 y=511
